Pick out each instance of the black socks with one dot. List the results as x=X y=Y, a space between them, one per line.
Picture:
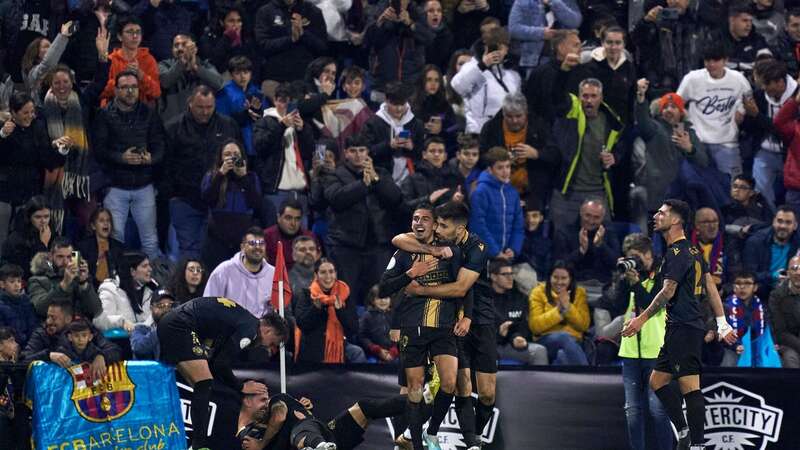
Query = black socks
x=441 y=404
x=466 y=419
x=670 y=397
x=483 y=413
x=200 y=399
x=696 y=415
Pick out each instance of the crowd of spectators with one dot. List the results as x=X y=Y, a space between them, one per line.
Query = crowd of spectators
x=154 y=151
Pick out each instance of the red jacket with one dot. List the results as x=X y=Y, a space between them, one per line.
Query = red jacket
x=149 y=85
x=273 y=235
x=788 y=125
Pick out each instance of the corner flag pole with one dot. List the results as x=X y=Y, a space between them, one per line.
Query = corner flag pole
x=283 y=347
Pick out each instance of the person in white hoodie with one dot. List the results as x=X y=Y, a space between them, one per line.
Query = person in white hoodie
x=777 y=87
x=247 y=277
x=485 y=80
x=126 y=298
x=394 y=136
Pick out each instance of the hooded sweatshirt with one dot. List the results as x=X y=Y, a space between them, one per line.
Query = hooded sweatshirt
x=232 y=280
x=770 y=143
x=402 y=165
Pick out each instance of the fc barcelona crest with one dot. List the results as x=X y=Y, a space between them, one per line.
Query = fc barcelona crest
x=102 y=400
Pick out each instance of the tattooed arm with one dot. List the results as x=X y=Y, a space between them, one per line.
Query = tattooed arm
x=659 y=301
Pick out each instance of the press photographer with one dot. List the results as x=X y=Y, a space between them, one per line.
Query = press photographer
x=634 y=292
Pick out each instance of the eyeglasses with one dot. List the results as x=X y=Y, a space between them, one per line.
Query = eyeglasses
x=255 y=242
x=195 y=269
x=128 y=88
x=741 y=187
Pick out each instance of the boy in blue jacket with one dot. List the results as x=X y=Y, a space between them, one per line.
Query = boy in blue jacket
x=16 y=309
x=241 y=99
x=495 y=210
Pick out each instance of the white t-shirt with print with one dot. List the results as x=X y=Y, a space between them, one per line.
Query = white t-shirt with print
x=712 y=104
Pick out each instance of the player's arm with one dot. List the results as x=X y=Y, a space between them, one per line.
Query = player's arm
x=400 y=273
x=407 y=242
x=724 y=330
x=459 y=288
x=659 y=301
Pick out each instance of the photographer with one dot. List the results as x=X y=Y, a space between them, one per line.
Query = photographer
x=634 y=292
x=233 y=194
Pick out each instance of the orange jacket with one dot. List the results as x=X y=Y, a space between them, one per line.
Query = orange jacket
x=149 y=85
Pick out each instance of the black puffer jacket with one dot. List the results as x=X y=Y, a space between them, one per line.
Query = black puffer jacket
x=360 y=213
x=26 y=154
x=115 y=131
x=192 y=149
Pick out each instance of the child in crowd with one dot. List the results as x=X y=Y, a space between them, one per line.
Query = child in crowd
x=241 y=99
x=747 y=315
x=16 y=309
x=78 y=345
x=465 y=164
x=538 y=243
x=375 y=325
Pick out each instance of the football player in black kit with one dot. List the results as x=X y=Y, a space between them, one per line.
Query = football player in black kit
x=478 y=348
x=427 y=326
x=684 y=279
x=210 y=331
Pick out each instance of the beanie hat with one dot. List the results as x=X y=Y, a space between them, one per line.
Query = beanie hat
x=673 y=98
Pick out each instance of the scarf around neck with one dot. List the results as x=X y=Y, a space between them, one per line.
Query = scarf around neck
x=71 y=180
x=334 y=332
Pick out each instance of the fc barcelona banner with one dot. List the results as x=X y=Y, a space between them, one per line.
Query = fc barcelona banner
x=136 y=406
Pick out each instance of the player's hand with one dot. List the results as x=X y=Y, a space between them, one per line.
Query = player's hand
x=394 y=335
x=99 y=367
x=422 y=267
x=462 y=326
x=632 y=326
x=306 y=402
x=249 y=443
x=60 y=359
x=725 y=332
x=254 y=388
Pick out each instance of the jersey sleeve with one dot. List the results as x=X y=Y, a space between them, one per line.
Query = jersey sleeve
x=394 y=277
x=677 y=261
x=475 y=258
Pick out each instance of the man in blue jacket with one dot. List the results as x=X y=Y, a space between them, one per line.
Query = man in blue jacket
x=495 y=211
x=767 y=252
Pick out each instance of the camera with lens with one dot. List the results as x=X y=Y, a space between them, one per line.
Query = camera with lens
x=238 y=162
x=629 y=263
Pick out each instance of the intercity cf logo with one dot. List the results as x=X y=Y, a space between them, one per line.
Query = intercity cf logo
x=737 y=419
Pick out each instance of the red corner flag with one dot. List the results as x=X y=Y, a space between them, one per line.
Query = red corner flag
x=280 y=274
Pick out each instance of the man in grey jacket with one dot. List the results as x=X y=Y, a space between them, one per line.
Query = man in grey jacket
x=668 y=140
x=180 y=74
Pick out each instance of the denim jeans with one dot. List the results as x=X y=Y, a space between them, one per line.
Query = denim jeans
x=141 y=203
x=563 y=349
x=354 y=354
x=727 y=159
x=767 y=168
x=640 y=398
x=190 y=227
